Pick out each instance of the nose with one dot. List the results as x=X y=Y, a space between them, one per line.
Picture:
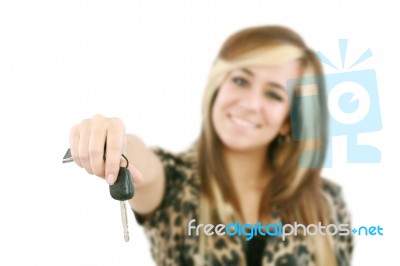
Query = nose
x=252 y=100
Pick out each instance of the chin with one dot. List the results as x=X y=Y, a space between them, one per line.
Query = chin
x=242 y=145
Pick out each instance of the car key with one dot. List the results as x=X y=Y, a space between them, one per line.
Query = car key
x=121 y=190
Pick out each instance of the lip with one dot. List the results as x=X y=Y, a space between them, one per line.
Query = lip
x=243 y=123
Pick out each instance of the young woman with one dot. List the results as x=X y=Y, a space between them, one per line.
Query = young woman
x=245 y=167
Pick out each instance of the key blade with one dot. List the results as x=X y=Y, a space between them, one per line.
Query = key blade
x=68 y=157
x=124 y=220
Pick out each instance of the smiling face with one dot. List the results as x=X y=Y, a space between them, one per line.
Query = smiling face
x=252 y=105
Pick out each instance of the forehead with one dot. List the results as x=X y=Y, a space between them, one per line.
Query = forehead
x=291 y=69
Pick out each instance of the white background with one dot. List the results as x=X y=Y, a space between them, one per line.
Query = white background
x=147 y=63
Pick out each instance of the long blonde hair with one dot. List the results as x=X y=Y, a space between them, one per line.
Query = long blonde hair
x=294 y=191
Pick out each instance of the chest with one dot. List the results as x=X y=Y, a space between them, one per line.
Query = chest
x=250 y=204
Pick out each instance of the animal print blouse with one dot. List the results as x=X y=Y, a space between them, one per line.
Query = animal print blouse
x=166 y=227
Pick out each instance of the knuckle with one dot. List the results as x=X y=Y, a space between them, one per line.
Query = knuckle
x=77 y=160
x=112 y=167
x=97 y=117
x=98 y=172
x=116 y=121
x=84 y=157
x=113 y=147
x=84 y=123
x=73 y=130
x=89 y=171
x=95 y=152
x=75 y=156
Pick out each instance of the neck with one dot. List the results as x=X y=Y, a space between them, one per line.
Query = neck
x=248 y=170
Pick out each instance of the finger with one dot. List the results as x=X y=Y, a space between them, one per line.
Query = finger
x=137 y=176
x=115 y=139
x=96 y=150
x=74 y=145
x=84 y=133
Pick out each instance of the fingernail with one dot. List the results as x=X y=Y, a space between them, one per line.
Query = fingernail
x=110 y=179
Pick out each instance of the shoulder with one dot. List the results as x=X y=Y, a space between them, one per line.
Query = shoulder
x=339 y=214
x=330 y=188
x=333 y=193
x=181 y=185
x=181 y=175
x=179 y=159
x=178 y=166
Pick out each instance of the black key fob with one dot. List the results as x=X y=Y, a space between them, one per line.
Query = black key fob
x=123 y=188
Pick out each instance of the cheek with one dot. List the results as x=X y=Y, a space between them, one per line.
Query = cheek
x=224 y=99
x=276 y=115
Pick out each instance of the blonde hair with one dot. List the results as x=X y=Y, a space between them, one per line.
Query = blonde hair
x=293 y=191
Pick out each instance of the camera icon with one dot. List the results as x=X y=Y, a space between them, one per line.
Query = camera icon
x=353 y=108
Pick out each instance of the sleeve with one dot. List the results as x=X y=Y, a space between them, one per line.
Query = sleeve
x=340 y=214
x=174 y=178
x=163 y=226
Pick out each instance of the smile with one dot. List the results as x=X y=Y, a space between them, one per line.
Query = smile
x=243 y=122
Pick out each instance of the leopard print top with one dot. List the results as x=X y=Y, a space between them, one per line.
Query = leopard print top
x=166 y=227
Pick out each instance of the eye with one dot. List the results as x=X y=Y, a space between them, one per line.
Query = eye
x=240 y=81
x=274 y=95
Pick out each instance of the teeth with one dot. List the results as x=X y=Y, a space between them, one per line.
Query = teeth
x=242 y=122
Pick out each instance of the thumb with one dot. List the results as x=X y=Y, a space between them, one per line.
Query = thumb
x=137 y=176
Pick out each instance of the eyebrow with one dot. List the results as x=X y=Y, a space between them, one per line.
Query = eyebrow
x=271 y=83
